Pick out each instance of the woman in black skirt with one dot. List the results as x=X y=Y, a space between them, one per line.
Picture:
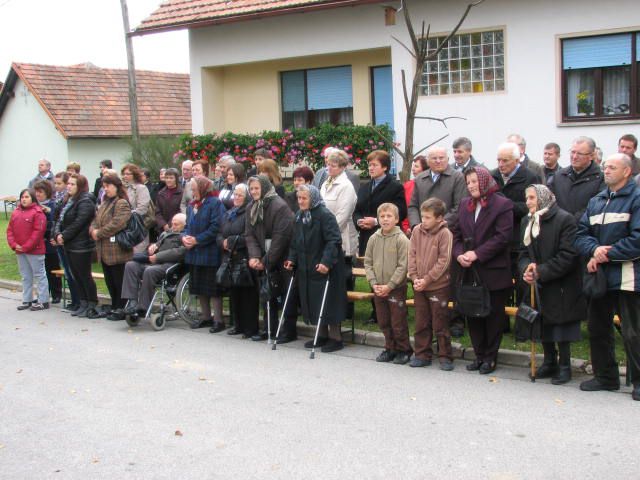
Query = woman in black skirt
x=549 y=258
x=204 y=216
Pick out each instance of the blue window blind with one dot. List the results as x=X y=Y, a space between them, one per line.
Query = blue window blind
x=383 y=96
x=329 y=88
x=293 y=91
x=592 y=52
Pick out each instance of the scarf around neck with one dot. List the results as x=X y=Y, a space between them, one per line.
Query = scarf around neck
x=304 y=216
x=267 y=192
x=546 y=200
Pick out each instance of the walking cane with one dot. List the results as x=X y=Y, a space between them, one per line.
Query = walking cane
x=269 y=341
x=312 y=355
x=284 y=307
x=533 y=342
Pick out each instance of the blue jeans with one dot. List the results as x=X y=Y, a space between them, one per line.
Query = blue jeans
x=32 y=268
x=71 y=283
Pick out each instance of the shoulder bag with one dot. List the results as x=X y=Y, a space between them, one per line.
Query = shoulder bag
x=471 y=296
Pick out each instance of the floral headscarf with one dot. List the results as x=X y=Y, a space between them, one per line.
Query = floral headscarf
x=233 y=212
x=546 y=200
x=267 y=192
x=304 y=216
x=487 y=186
x=203 y=184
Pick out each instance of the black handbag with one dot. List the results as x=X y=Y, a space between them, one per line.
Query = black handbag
x=472 y=297
x=223 y=274
x=528 y=326
x=270 y=285
x=594 y=285
x=133 y=233
x=234 y=272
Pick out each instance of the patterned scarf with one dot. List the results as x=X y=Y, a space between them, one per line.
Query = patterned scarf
x=546 y=200
x=203 y=185
x=487 y=186
x=267 y=192
x=304 y=216
x=233 y=212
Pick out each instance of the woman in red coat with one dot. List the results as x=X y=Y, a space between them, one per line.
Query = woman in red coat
x=25 y=235
x=418 y=166
x=481 y=240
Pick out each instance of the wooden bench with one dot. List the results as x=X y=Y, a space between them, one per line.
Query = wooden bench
x=10 y=201
x=60 y=274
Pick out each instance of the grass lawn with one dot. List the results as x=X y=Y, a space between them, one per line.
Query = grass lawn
x=9 y=271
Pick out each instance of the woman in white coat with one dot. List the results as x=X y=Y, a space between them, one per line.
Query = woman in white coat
x=139 y=198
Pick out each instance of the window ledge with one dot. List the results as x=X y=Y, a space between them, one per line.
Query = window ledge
x=599 y=122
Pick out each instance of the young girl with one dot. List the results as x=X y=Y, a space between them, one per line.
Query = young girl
x=44 y=191
x=25 y=235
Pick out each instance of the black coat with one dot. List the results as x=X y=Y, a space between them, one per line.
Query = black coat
x=74 y=227
x=389 y=190
x=277 y=225
x=514 y=190
x=573 y=192
x=319 y=242
x=558 y=265
x=233 y=232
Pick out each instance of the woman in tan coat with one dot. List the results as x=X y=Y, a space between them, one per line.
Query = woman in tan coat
x=112 y=216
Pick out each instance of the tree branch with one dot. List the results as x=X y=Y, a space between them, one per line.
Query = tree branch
x=405 y=47
x=431 y=144
x=441 y=120
x=412 y=33
x=404 y=91
x=456 y=28
x=389 y=141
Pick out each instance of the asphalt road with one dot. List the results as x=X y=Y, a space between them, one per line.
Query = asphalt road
x=92 y=399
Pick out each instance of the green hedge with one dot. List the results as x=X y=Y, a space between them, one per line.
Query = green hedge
x=289 y=147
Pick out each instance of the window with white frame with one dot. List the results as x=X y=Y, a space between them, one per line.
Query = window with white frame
x=469 y=63
x=600 y=77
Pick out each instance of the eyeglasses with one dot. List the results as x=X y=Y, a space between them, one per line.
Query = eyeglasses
x=573 y=152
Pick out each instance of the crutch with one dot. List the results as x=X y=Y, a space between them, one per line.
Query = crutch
x=284 y=307
x=533 y=342
x=269 y=341
x=312 y=355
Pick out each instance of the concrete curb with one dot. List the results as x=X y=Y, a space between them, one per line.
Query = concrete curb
x=376 y=339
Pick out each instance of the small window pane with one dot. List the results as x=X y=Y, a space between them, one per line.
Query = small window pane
x=466 y=87
x=580 y=93
x=615 y=94
x=488 y=86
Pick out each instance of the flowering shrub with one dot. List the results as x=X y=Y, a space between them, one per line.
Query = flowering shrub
x=289 y=148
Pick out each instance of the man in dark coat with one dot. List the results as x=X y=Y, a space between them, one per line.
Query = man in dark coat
x=381 y=189
x=576 y=184
x=105 y=164
x=628 y=144
x=44 y=173
x=463 y=158
x=524 y=160
x=440 y=181
x=551 y=155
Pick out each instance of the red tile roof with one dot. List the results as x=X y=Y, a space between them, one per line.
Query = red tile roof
x=176 y=14
x=87 y=101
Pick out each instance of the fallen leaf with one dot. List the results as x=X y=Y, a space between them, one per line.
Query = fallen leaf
x=129 y=331
x=84 y=330
x=202 y=379
x=220 y=445
x=95 y=460
x=152 y=347
x=17 y=328
x=493 y=379
x=1 y=446
x=559 y=402
x=178 y=433
x=72 y=391
x=412 y=398
x=19 y=371
x=50 y=349
x=42 y=323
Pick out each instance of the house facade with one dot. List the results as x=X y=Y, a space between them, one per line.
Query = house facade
x=548 y=70
x=81 y=114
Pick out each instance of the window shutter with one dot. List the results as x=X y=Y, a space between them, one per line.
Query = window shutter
x=293 y=91
x=383 y=96
x=329 y=88
x=593 y=52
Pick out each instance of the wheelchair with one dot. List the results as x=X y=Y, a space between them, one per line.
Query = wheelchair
x=171 y=291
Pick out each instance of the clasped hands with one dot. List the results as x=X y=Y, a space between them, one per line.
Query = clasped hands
x=600 y=255
x=467 y=258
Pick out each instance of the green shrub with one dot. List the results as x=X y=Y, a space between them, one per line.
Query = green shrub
x=154 y=153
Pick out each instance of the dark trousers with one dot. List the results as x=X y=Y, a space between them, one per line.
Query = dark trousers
x=602 y=340
x=455 y=319
x=432 y=316
x=71 y=283
x=244 y=302
x=140 y=280
x=350 y=284
x=80 y=266
x=113 y=277
x=392 y=320
x=51 y=262
x=486 y=333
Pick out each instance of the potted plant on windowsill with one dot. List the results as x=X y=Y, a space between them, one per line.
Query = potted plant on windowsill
x=585 y=107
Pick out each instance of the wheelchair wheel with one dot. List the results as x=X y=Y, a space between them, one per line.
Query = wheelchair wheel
x=188 y=307
x=132 y=320
x=159 y=322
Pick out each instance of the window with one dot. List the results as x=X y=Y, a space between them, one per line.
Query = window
x=600 y=77
x=470 y=63
x=313 y=97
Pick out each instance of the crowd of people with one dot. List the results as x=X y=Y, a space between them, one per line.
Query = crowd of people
x=520 y=227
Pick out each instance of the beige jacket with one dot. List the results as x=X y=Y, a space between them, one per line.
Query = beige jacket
x=340 y=198
x=385 y=260
x=430 y=255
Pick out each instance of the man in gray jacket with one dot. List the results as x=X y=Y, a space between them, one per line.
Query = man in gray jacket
x=440 y=181
x=140 y=277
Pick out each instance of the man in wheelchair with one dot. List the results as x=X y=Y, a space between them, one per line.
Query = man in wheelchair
x=143 y=273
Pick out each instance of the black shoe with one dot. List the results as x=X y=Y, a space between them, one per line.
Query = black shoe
x=322 y=341
x=446 y=365
x=24 y=306
x=332 y=346
x=562 y=376
x=285 y=339
x=217 y=327
x=55 y=300
x=234 y=331
x=71 y=307
x=131 y=308
x=36 y=307
x=635 y=393
x=402 y=358
x=94 y=313
x=116 y=315
x=419 y=362
x=486 y=368
x=386 y=356
x=547 y=370
x=474 y=366
x=259 y=337
x=594 y=385
x=82 y=308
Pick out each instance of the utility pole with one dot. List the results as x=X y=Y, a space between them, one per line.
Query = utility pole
x=133 y=97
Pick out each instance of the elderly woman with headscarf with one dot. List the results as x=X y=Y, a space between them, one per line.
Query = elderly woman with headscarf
x=204 y=216
x=269 y=226
x=481 y=241
x=243 y=299
x=549 y=258
x=316 y=253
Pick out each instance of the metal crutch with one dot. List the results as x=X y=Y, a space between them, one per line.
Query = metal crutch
x=533 y=342
x=284 y=307
x=312 y=355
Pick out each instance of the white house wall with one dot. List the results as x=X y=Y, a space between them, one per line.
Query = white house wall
x=27 y=134
x=90 y=151
x=529 y=105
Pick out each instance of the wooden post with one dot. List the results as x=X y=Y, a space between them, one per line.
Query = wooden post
x=133 y=97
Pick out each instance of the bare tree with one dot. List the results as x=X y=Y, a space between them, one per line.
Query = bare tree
x=133 y=96
x=420 y=53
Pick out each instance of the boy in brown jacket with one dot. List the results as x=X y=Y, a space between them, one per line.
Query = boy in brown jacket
x=385 y=263
x=429 y=262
